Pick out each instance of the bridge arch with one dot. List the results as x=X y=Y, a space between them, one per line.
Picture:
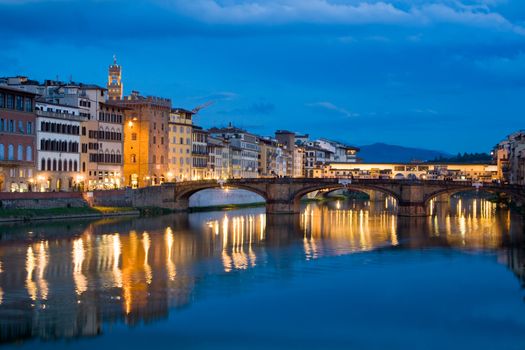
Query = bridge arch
x=336 y=186
x=197 y=187
x=514 y=194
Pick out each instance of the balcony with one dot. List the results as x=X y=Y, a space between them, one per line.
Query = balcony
x=62 y=116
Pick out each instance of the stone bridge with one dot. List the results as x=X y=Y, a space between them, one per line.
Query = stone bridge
x=283 y=195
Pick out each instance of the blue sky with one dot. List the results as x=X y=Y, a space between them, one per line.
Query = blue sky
x=441 y=74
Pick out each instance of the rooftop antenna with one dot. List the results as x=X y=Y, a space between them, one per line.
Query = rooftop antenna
x=114 y=59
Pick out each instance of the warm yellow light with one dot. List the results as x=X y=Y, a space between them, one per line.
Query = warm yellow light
x=40 y=178
x=80 y=178
x=130 y=123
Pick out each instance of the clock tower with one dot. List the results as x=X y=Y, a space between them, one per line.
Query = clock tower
x=115 y=81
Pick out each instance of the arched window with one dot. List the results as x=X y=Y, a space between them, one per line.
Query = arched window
x=59 y=165
x=75 y=165
x=54 y=165
x=71 y=165
x=49 y=164
x=42 y=144
x=20 y=152
x=29 y=153
x=43 y=164
x=2 y=151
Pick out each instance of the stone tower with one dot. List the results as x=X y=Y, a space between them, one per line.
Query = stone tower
x=115 y=81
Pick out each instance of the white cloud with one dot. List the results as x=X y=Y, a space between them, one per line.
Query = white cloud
x=271 y=12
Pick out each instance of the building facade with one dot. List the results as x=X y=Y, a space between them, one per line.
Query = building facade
x=219 y=161
x=199 y=154
x=17 y=140
x=244 y=150
x=180 y=145
x=58 y=147
x=146 y=139
x=509 y=155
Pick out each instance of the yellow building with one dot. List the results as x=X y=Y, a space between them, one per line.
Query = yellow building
x=180 y=134
x=145 y=140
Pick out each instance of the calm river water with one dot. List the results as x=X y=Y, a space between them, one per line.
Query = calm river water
x=342 y=275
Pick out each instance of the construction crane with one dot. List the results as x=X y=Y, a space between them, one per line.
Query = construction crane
x=202 y=106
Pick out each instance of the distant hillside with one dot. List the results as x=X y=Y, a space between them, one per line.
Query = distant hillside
x=381 y=153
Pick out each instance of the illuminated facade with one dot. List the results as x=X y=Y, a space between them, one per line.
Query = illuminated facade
x=146 y=139
x=180 y=134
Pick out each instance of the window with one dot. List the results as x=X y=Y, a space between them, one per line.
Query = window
x=20 y=126
x=28 y=105
x=20 y=152
x=11 y=126
x=2 y=124
x=10 y=102
x=134 y=136
x=154 y=159
x=29 y=153
x=2 y=151
x=29 y=128
x=19 y=103
x=154 y=140
x=181 y=141
x=10 y=152
x=2 y=100
x=133 y=158
x=161 y=159
x=43 y=164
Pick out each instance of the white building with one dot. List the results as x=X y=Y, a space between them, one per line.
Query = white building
x=58 y=147
x=247 y=144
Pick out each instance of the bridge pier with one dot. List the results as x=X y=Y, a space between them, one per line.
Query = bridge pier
x=282 y=207
x=412 y=209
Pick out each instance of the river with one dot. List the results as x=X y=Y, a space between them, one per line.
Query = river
x=342 y=274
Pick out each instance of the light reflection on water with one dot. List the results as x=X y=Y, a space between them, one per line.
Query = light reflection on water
x=69 y=280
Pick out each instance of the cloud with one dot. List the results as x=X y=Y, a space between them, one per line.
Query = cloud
x=512 y=67
x=330 y=107
x=258 y=108
x=217 y=96
x=406 y=13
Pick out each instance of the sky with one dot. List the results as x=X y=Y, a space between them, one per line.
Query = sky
x=447 y=75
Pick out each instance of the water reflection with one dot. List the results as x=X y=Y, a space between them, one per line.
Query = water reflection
x=62 y=281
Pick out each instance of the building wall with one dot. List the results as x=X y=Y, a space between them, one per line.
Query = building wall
x=146 y=140
x=179 y=154
x=17 y=140
x=58 y=148
x=199 y=154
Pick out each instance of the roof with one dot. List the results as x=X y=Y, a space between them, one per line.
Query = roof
x=11 y=89
x=181 y=110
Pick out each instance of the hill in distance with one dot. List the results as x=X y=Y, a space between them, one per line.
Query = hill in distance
x=384 y=153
